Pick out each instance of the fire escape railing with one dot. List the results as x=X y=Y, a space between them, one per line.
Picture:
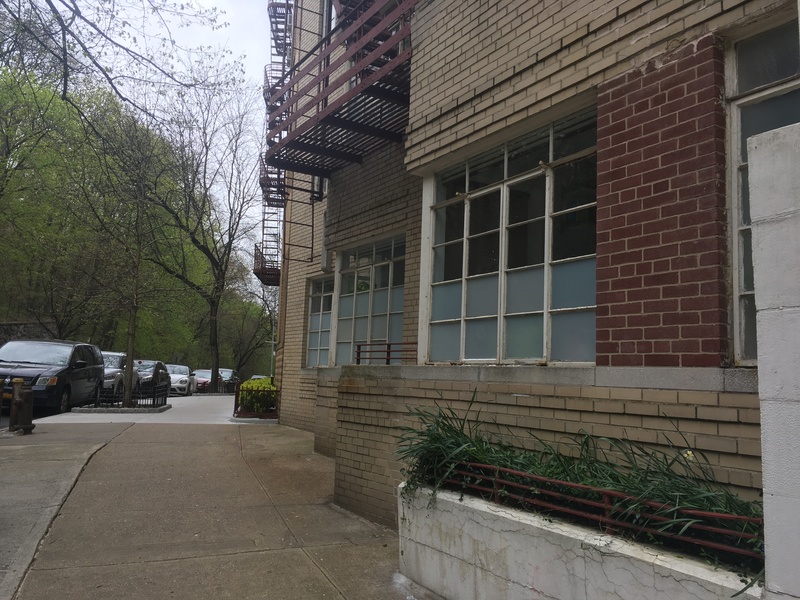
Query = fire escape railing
x=347 y=96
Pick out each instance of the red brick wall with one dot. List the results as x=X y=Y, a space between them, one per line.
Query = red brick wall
x=661 y=224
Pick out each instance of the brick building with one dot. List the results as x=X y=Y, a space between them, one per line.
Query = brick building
x=542 y=204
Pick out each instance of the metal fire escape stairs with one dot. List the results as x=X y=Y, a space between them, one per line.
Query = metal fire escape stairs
x=340 y=101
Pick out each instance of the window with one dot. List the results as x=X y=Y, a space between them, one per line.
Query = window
x=764 y=93
x=370 y=297
x=514 y=241
x=319 y=322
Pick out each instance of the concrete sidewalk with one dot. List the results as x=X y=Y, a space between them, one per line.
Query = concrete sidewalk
x=183 y=511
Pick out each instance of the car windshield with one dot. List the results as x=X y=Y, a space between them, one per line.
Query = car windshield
x=36 y=352
x=203 y=374
x=226 y=373
x=114 y=361
x=178 y=369
x=146 y=366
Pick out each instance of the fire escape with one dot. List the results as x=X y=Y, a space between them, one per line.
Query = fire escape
x=341 y=100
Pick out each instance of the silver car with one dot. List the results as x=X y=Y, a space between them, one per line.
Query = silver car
x=114 y=375
x=182 y=380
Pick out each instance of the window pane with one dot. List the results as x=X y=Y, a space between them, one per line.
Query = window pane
x=526 y=244
x=451 y=182
x=346 y=306
x=396 y=328
x=326 y=321
x=378 y=332
x=348 y=259
x=344 y=354
x=574 y=134
x=574 y=284
x=360 y=332
x=447 y=262
x=482 y=296
x=481 y=339
x=365 y=255
x=316 y=304
x=397 y=300
x=575 y=184
x=313 y=340
x=525 y=290
x=449 y=223
x=484 y=213
x=573 y=336
x=768 y=57
x=747 y=327
x=744 y=197
x=399 y=247
x=768 y=115
x=344 y=331
x=486 y=169
x=362 y=305
x=526 y=200
x=313 y=324
x=327 y=302
x=445 y=340
x=380 y=302
x=327 y=285
x=575 y=234
x=399 y=273
x=311 y=358
x=524 y=337
x=323 y=358
x=381 y=279
x=746 y=251
x=348 y=283
x=525 y=154
x=383 y=251
x=446 y=301
x=362 y=281
x=483 y=254
x=324 y=339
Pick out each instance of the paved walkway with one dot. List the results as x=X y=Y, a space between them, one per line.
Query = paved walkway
x=182 y=505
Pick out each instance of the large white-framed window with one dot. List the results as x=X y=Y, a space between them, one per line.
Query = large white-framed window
x=370 y=299
x=763 y=90
x=514 y=234
x=319 y=322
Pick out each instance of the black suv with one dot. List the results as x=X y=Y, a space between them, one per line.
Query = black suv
x=61 y=373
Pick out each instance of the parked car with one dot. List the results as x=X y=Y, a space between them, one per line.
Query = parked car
x=203 y=378
x=229 y=379
x=182 y=380
x=154 y=380
x=114 y=375
x=61 y=373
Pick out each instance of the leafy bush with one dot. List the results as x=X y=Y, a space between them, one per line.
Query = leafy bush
x=257 y=396
x=264 y=383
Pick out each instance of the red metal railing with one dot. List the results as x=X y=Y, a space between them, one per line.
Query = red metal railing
x=612 y=510
x=385 y=353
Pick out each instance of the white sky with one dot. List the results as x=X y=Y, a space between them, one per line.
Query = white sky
x=248 y=33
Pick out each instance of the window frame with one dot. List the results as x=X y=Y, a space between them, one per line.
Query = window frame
x=735 y=102
x=309 y=316
x=432 y=278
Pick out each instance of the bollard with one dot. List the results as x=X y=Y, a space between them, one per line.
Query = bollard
x=21 y=414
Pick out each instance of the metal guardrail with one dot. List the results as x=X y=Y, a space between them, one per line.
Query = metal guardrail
x=382 y=353
x=157 y=396
x=613 y=511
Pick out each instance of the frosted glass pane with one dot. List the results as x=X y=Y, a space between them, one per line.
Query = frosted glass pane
x=525 y=290
x=362 y=305
x=344 y=354
x=326 y=321
x=324 y=339
x=574 y=284
x=344 y=331
x=380 y=302
x=361 y=329
x=446 y=302
x=573 y=336
x=313 y=324
x=445 y=341
x=313 y=340
x=482 y=296
x=346 y=306
x=524 y=336
x=396 y=328
x=311 y=358
x=481 y=339
x=397 y=299
x=378 y=328
x=323 y=358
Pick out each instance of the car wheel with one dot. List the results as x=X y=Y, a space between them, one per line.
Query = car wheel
x=119 y=392
x=64 y=402
x=95 y=399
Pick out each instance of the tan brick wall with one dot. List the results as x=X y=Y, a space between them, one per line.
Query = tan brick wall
x=500 y=63
x=725 y=427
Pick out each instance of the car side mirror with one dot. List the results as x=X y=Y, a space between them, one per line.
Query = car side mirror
x=81 y=364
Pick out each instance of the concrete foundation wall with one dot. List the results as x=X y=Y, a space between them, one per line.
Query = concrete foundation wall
x=471 y=550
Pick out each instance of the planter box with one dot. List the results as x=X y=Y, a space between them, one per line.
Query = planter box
x=473 y=550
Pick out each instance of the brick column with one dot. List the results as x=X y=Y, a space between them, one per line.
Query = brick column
x=661 y=219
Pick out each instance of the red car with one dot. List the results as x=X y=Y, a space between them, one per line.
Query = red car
x=203 y=377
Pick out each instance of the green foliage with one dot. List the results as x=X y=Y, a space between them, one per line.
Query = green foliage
x=263 y=384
